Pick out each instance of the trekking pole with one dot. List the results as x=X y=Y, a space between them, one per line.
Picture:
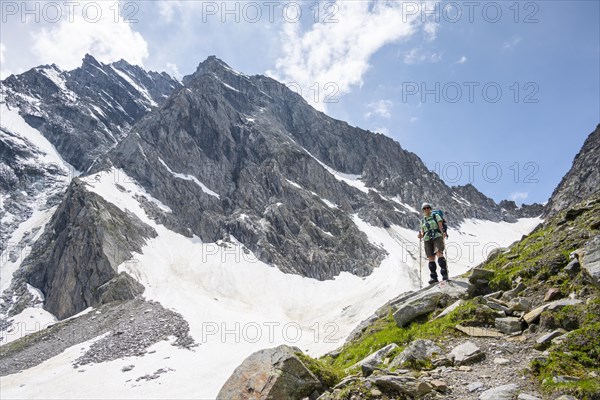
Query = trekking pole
x=420 y=266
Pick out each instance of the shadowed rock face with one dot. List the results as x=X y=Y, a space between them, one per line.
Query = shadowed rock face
x=582 y=180
x=81 y=249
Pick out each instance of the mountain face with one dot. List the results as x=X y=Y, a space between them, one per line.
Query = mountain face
x=85 y=112
x=81 y=114
x=581 y=182
x=231 y=156
x=241 y=155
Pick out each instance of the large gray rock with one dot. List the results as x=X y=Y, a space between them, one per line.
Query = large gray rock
x=591 y=260
x=466 y=353
x=275 y=373
x=417 y=350
x=534 y=315
x=403 y=384
x=415 y=308
x=369 y=363
x=414 y=305
x=80 y=250
x=509 y=325
x=504 y=392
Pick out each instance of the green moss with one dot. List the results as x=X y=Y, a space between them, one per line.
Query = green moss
x=577 y=356
x=385 y=331
x=327 y=374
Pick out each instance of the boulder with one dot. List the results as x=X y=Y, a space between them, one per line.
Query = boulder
x=475 y=386
x=504 y=392
x=439 y=386
x=520 y=304
x=121 y=287
x=508 y=325
x=545 y=340
x=449 y=309
x=403 y=384
x=276 y=373
x=480 y=273
x=413 y=305
x=534 y=314
x=369 y=363
x=552 y=294
x=418 y=350
x=591 y=260
x=415 y=308
x=466 y=353
x=511 y=294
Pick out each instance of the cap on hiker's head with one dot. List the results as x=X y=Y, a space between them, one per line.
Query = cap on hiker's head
x=425 y=205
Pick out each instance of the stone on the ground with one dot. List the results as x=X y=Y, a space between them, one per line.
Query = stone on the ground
x=573 y=267
x=417 y=350
x=590 y=264
x=566 y=397
x=475 y=386
x=415 y=308
x=545 y=340
x=511 y=294
x=504 y=392
x=552 y=294
x=494 y=295
x=370 y=362
x=404 y=384
x=376 y=392
x=534 y=315
x=466 y=353
x=525 y=396
x=501 y=361
x=520 y=304
x=480 y=273
x=508 y=325
x=476 y=331
x=439 y=386
x=450 y=308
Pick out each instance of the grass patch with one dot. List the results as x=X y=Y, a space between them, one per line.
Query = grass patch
x=577 y=356
x=384 y=331
x=327 y=374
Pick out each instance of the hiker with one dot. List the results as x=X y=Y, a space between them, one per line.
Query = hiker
x=433 y=232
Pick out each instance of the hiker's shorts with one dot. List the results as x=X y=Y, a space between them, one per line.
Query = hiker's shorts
x=434 y=246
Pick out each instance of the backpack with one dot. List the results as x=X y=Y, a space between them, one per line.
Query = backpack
x=444 y=223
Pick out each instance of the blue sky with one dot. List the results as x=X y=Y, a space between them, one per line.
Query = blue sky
x=428 y=75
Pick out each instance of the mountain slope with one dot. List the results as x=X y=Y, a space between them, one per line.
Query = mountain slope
x=241 y=155
x=581 y=181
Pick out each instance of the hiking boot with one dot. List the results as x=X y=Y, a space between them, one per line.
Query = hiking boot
x=432 y=281
x=445 y=278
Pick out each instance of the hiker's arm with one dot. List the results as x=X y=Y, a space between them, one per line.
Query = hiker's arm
x=441 y=226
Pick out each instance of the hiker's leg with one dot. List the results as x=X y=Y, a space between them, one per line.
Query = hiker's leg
x=439 y=249
x=430 y=252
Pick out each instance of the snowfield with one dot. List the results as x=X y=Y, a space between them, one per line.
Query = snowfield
x=236 y=305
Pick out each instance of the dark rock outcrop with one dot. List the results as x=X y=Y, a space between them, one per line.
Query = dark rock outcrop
x=80 y=250
x=582 y=180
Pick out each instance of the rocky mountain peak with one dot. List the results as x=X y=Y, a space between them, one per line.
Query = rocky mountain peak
x=581 y=181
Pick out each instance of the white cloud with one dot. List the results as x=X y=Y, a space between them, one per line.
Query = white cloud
x=173 y=70
x=167 y=9
x=4 y=72
x=515 y=41
x=519 y=197
x=108 y=39
x=338 y=53
x=418 y=55
x=382 y=129
x=380 y=108
x=412 y=120
x=431 y=29
x=462 y=60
